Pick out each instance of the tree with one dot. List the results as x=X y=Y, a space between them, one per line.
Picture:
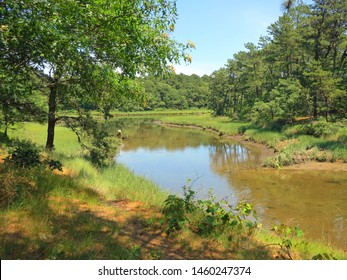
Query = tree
x=88 y=50
x=298 y=69
x=220 y=99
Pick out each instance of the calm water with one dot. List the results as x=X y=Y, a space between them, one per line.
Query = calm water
x=316 y=201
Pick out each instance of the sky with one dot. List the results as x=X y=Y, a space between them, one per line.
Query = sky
x=220 y=28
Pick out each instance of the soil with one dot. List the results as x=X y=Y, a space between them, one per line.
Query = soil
x=315 y=165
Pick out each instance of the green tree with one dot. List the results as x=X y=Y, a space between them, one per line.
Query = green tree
x=220 y=98
x=88 y=50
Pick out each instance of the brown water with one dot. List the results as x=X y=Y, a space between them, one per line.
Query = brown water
x=316 y=201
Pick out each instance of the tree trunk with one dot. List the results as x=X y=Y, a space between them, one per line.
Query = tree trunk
x=315 y=106
x=52 y=107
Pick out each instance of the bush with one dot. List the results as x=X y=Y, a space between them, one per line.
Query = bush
x=209 y=217
x=320 y=128
x=24 y=154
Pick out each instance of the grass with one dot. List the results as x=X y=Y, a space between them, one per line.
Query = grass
x=328 y=142
x=221 y=124
x=110 y=213
x=114 y=182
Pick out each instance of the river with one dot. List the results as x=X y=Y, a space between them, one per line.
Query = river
x=316 y=201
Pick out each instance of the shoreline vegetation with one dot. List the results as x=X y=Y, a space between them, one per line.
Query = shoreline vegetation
x=288 y=148
x=109 y=212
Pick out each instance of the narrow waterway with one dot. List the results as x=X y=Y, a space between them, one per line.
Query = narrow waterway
x=316 y=201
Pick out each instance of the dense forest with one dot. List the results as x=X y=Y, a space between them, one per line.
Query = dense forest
x=297 y=70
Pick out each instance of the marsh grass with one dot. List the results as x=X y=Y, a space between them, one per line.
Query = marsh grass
x=207 y=121
x=69 y=216
x=114 y=181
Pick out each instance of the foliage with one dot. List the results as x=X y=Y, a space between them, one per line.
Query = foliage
x=319 y=129
x=25 y=154
x=209 y=217
x=176 y=209
x=81 y=55
x=297 y=70
x=174 y=92
x=287 y=233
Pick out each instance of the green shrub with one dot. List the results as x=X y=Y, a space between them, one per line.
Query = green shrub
x=287 y=233
x=176 y=209
x=24 y=154
x=209 y=217
x=320 y=128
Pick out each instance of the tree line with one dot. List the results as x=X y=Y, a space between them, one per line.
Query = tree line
x=297 y=70
x=103 y=55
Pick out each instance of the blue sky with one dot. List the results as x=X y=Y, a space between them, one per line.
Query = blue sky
x=220 y=28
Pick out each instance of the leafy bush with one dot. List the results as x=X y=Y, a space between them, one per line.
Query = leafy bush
x=24 y=154
x=287 y=233
x=320 y=128
x=176 y=209
x=209 y=217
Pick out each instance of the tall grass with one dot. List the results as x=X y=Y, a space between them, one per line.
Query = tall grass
x=206 y=121
x=113 y=182
x=118 y=182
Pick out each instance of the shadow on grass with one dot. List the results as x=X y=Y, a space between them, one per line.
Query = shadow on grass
x=64 y=220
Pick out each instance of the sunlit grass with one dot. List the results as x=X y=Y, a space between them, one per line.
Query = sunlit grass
x=114 y=182
x=50 y=220
x=207 y=121
x=301 y=247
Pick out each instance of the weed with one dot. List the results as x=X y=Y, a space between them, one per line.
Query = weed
x=210 y=218
x=287 y=233
x=323 y=256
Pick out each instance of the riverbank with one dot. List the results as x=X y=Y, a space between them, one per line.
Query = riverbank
x=108 y=213
x=285 y=148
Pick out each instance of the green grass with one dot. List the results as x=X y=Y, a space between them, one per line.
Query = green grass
x=206 y=121
x=52 y=225
x=292 y=144
x=118 y=182
x=114 y=181
x=160 y=112
x=301 y=248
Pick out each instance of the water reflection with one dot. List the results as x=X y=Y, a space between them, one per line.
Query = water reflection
x=314 y=200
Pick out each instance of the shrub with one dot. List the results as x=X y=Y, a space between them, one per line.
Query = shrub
x=176 y=209
x=287 y=233
x=320 y=128
x=209 y=217
x=24 y=154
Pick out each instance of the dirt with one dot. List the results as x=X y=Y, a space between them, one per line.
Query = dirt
x=314 y=165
